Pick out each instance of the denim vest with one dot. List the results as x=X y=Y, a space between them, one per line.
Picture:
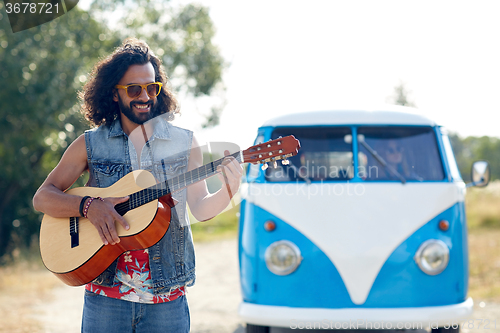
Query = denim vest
x=111 y=156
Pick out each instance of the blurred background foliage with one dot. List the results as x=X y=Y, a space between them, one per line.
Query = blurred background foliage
x=43 y=68
x=476 y=148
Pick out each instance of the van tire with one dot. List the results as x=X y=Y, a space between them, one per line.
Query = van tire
x=446 y=330
x=257 y=329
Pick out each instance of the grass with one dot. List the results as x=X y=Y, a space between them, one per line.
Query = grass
x=484 y=264
x=483 y=220
x=482 y=205
x=224 y=225
x=19 y=291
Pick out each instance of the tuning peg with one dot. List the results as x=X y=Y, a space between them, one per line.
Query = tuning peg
x=275 y=164
x=264 y=166
x=285 y=161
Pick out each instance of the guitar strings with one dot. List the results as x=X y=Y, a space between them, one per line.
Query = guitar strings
x=156 y=191
x=178 y=182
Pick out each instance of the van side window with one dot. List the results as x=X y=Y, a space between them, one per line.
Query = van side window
x=410 y=150
x=324 y=155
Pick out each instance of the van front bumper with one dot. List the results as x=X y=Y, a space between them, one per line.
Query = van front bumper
x=355 y=318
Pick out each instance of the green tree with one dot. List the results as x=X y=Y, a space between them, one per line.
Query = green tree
x=489 y=149
x=470 y=149
x=401 y=95
x=180 y=36
x=43 y=68
x=463 y=155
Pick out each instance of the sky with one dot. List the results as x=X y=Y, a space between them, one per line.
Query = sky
x=296 y=56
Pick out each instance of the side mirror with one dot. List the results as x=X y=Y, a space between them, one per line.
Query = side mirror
x=480 y=174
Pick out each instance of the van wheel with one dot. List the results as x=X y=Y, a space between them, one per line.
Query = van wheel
x=445 y=330
x=257 y=329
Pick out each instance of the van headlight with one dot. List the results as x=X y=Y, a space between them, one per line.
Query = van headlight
x=432 y=256
x=282 y=257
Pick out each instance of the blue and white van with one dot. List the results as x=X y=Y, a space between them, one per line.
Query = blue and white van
x=364 y=229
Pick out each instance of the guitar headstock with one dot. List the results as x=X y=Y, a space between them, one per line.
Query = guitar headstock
x=272 y=151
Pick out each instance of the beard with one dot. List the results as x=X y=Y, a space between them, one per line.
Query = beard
x=138 y=119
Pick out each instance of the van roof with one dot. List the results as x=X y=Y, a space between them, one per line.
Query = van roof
x=389 y=115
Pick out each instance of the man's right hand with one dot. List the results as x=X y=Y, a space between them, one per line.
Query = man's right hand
x=102 y=215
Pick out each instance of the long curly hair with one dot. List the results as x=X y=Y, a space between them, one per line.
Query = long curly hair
x=98 y=106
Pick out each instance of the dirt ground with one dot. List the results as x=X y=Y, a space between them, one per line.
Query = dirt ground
x=213 y=300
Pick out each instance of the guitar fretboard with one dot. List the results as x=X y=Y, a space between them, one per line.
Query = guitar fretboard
x=171 y=185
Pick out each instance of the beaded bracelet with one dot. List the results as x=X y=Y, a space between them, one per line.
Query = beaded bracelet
x=82 y=203
x=86 y=209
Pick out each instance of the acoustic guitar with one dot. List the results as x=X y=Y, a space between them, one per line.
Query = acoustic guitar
x=71 y=247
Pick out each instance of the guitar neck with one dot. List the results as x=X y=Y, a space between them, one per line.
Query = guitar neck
x=174 y=184
x=271 y=151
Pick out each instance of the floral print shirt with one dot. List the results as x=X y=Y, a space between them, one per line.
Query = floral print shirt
x=133 y=281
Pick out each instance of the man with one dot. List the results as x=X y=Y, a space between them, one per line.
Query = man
x=143 y=290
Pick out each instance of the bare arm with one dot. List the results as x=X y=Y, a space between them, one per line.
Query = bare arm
x=50 y=198
x=204 y=205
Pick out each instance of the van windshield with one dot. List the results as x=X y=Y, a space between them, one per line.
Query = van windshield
x=325 y=154
x=411 y=151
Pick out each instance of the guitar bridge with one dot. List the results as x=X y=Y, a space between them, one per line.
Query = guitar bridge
x=73 y=231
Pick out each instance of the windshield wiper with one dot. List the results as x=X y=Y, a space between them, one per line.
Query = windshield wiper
x=361 y=140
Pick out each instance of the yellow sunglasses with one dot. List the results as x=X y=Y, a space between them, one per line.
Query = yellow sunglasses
x=135 y=90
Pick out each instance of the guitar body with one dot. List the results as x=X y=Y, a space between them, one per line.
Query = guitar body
x=81 y=264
